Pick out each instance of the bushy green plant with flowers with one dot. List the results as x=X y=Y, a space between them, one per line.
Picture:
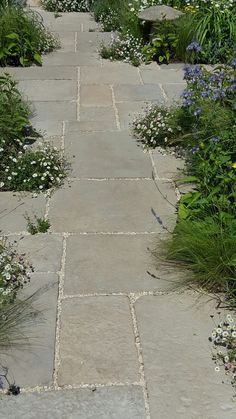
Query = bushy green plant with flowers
x=223 y=339
x=23 y=168
x=67 y=5
x=14 y=273
x=23 y=37
x=124 y=47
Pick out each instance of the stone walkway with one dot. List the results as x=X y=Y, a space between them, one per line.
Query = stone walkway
x=114 y=343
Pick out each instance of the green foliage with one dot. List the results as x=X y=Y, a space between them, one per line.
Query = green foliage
x=23 y=37
x=160 y=49
x=126 y=47
x=67 y=5
x=37 y=225
x=23 y=168
x=14 y=273
x=206 y=248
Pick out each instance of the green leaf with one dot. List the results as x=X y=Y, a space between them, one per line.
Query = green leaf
x=12 y=36
x=37 y=58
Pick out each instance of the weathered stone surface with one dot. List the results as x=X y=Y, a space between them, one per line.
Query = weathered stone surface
x=127 y=93
x=44 y=251
x=168 y=166
x=13 y=208
x=109 y=206
x=97 y=114
x=162 y=12
x=91 y=41
x=106 y=155
x=180 y=374
x=42 y=73
x=115 y=263
x=90 y=126
x=32 y=364
x=60 y=58
x=96 y=95
x=48 y=128
x=174 y=90
x=48 y=90
x=161 y=76
x=124 y=402
x=127 y=112
x=98 y=346
x=67 y=41
x=55 y=111
x=111 y=73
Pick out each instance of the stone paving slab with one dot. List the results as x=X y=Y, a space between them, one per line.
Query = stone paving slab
x=128 y=111
x=59 y=58
x=96 y=95
x=124 y=402
x=152 y=76
x=41 y=73
x=44 y=251
x=32 y=364
x=13 y=208
x=67 y=41
x=110 y=74
x=55 y=111
x=98 y=346
x=99 y=115
x=90 y=126
x=127 y=93
x=91 y=41
x=115 y=263
x=47 y=127
x=106 y=155
x=181 y=379
x=167 y=166
x=174 y=90
x=109 y=206
x=48 y=90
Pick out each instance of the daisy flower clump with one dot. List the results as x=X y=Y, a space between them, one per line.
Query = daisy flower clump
x=67 y=5
x=223 y=338
x=157 y=127
x=14 y=272
x=126 y=48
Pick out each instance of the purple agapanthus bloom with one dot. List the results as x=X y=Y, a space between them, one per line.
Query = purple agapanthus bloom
x=194 y=150
x=192 y=73
x=218 y=93
x=194 y=46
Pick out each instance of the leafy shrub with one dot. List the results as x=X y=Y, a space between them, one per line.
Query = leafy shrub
x=23 y=37
x=161 y=48
x=14 y=273
x=21 y=167
x=67 y=5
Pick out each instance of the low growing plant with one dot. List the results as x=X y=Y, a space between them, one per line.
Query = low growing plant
x=14 y=273
x=37 y=224
x=125 y=48
x=67 y=5
x=23 y=168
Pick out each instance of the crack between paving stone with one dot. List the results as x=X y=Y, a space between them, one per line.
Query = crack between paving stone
x=132 y=301
x=78 y=95
x=165 y=97
x=115 y=108
x=58 y=320
x=76 y=41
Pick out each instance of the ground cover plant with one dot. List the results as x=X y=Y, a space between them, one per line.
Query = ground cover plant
x=23 y=168
x=67 y=5
x=37 y=224
x=23 y=37
x=203 y=127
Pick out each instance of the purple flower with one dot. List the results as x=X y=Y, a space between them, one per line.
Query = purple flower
x=197 y=111
x=192 y=73
x=218 y=93
x=233 y=63
x=194 y=150
x=194 y=46
x=215 y=139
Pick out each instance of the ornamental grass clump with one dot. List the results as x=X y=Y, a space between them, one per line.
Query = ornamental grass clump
x=22 y=167
x=23 y=37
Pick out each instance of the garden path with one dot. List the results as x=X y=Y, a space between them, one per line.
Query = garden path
x=116 y=343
